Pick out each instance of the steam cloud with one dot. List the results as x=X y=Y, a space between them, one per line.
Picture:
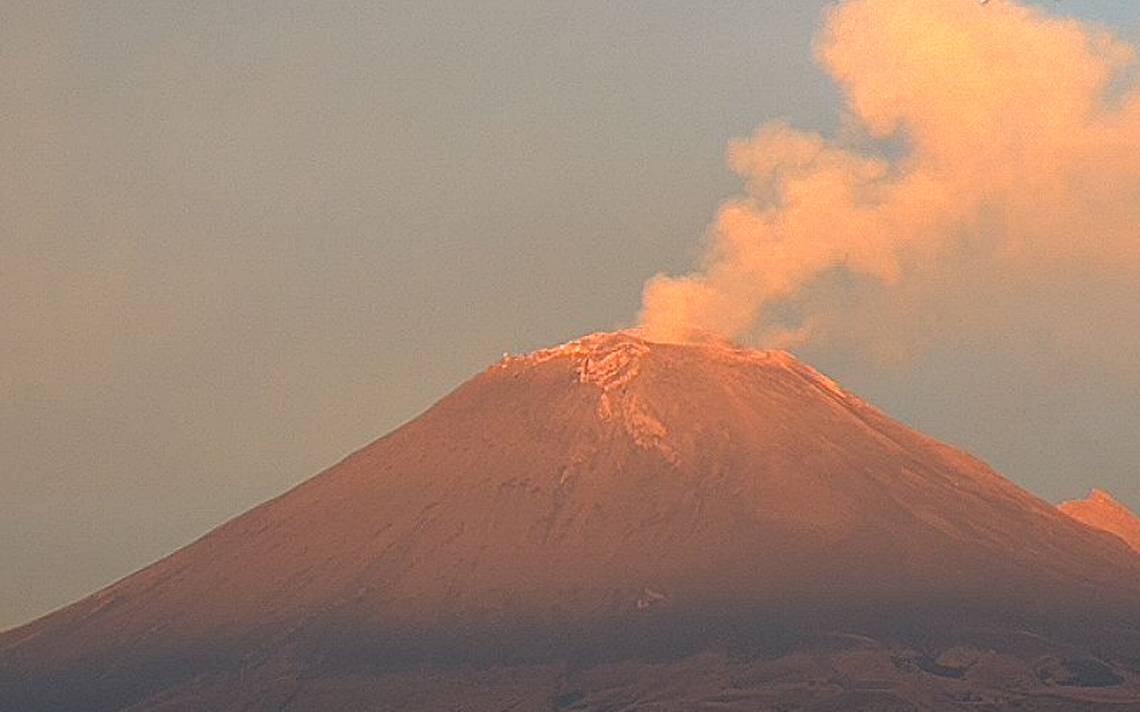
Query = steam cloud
x=993 y=134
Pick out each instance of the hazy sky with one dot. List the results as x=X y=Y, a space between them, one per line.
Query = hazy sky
x=241 y=240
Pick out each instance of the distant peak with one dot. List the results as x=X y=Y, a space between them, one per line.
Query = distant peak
x=1099 y=495
x=1096 y=497
x=1101 y=510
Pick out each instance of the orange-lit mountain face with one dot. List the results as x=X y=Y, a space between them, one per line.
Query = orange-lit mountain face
x=1100 y=511
x=606 y=523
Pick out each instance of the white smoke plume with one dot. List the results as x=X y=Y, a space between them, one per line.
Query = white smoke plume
x=995 y=140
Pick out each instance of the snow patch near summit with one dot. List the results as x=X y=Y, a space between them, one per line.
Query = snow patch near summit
x=611 y=362
x=612 y=369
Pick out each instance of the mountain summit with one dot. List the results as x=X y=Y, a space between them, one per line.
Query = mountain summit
x=1101 y=511
x=608 y=502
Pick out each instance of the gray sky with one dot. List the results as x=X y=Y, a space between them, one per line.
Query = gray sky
x=241 y=240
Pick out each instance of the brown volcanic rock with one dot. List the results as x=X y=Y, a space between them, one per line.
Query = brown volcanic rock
x=1100 y=511
x=610 y=499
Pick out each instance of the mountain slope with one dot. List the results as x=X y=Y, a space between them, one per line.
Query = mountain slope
x=610 y=497
x=1100 y=511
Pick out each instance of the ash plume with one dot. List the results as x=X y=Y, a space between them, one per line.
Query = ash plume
x=997 y=142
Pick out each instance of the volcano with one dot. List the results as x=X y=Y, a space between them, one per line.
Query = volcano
x=617 y=523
